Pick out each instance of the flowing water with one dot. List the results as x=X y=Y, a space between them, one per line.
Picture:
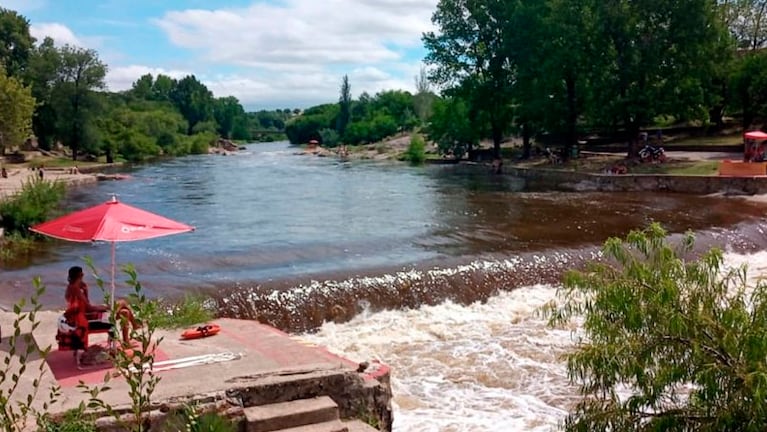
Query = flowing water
x=437 y=271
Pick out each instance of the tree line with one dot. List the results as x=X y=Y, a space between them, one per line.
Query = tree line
x=570 y=67
x=58 y=94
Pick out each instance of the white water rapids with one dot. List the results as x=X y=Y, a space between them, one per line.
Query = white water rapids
x=493 y=366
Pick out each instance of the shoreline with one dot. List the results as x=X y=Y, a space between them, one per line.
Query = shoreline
x=17 y=177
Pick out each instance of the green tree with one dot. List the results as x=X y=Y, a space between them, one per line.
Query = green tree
x=193 y=100
x=227 y=111
x=344 y=106
x=42 y=73
x=450 y=127
x=15 y=42
x=74 y=97
x=16 y=108
x=162 y=88
x=424 y=96
x=469 y=51
x=653 y=58
x=142 y=88
x=668 y=344
x=748 y=84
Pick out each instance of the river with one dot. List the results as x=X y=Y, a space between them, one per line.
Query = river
x=437 y=270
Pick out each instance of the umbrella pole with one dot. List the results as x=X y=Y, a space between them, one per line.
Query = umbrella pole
x=113 y=276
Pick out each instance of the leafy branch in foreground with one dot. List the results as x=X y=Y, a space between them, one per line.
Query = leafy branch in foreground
x=17 y=403
x=668 y=344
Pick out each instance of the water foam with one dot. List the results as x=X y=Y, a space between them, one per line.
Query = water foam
x=492 y=366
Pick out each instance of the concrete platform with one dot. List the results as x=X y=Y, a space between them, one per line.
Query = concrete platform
x=272 y=367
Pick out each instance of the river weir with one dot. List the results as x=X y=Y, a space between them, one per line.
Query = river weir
x=437 y=271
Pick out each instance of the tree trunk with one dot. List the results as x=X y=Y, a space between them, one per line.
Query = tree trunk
x=526 y=144
x=572 y=118
x=497 y=140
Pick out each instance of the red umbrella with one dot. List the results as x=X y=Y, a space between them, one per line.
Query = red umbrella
x=111 y=221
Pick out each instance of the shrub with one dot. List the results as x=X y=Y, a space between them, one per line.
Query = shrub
x=667 y=344
x=32 y=205
x=416 y=151
x=16 y=408
x=330 y=137
x=187 y=312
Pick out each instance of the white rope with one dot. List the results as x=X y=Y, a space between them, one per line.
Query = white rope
x=184 y=362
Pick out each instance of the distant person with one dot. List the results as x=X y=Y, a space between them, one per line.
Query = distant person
x=41 y=172
x=3 y=172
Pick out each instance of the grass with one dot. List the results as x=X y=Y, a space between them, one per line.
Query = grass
x=186 y=312
x=688 y=168
x=706 y=141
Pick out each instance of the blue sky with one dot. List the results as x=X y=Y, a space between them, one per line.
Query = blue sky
x=267 y=53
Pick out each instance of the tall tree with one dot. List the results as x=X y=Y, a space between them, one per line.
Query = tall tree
x=653 y=58
x=345 y=106
x=15 y=42
x=193 y=100
x=80 y=75
x=227 y=112
x=424 y=96
x=142 y=88
x=42 y=74
x=469 y=51
x=163 y=88
x=16 y=108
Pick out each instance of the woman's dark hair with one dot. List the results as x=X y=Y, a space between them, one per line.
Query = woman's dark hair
x=74 y=273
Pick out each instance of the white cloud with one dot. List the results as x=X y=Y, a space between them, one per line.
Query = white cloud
x=302 y=32
x=122 y=77
x=297 y=50
x=60 y=33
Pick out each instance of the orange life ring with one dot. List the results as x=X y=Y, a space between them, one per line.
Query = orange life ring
x=202 y=331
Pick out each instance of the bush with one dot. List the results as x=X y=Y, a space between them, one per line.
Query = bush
x=667 y=344
x=416 y=151
x=32 y=205
x=330 y=137
x=200 y=143
x=189 y=311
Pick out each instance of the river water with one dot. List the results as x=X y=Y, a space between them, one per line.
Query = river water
x=437 y=271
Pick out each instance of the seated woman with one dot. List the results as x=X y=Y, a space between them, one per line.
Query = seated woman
x=79 y=304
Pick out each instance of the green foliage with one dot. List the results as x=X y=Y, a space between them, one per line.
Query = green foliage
x=748 y=86
x=189 y=311
x=193 y=100
x=15 y=42
x=79 y=74
x=416 y=151
x=14 y=245
x=330 y=137
x=200 y=143
x=191 y=420
x=73 y=421
x=32 y=205
x=450 y=127
x=667 y=344
x=306 y=127
x=16 y=108
x=17 y=408
x=344 y=106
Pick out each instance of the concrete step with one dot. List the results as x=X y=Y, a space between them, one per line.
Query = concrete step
x=359 y=426
x=331 y=426
x=284 y=415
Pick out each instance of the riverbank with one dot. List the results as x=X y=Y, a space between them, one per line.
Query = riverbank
x=17 y=177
